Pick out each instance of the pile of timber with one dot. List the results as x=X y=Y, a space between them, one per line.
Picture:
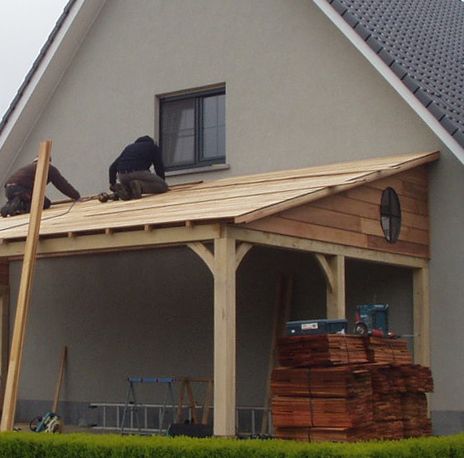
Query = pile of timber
x=381 y=350
x=321 y=350
x=334 y=387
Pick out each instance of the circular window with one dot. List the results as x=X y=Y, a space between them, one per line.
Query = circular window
x=390 y=215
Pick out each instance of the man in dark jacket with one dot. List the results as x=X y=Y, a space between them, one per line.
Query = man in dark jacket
x=19 y=186
x=133 y=170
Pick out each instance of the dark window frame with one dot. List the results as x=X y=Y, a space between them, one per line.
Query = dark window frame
x=198 y=97
x=390 y=215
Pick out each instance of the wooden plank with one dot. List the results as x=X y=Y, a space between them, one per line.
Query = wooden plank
x=282 y=226
x=224 y=336
x=324 y=217
x=346 y=205
x=207 y=403
x=335 y=298
x=242 y=250
x=407 y=234
x=402 y=187
x=24 y=295
x=314 y=246
x=202 y=251
x=413 y=249
x=180 y=403
x=396 y=163
x=421 y=312
x=192 y=404
x=4 y=338
x=327 y=271
x=216 y=210
x=243 y=198
x=117 y=241
x=372 y=195
x=59 y=381
x=350 y=222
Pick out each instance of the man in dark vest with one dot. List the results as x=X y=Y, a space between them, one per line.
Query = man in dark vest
x=19 y=186
x=133 y=170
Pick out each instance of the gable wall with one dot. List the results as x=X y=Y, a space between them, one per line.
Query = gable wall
x=352 y=217
x=297 y=93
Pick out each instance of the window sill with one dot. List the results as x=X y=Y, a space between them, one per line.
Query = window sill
x=209 y=168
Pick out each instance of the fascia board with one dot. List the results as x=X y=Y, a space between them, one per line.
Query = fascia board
x=392 y=79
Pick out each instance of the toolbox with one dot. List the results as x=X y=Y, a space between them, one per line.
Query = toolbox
x=308 y=327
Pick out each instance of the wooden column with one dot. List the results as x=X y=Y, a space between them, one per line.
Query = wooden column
x=4 y=337
x=224 y=336
x=421 y=308
x=24 y=294
x=4 y=324
x=333 y=268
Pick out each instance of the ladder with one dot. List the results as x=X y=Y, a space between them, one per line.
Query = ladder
x=131 y=405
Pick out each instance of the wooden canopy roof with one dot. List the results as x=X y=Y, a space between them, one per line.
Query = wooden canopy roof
x=233 y=200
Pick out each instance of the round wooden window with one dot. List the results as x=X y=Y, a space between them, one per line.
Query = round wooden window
x=390 y=215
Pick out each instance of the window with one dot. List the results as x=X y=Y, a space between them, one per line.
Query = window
x=192 y=129
x=390 y=215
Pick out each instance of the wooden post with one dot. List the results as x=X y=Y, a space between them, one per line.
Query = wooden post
x=25 y=287
x=421 y=308
x=207 y=403
x=59 y=381
x=5 y=337
x=180 y=403
x=192 y=404
x=224 y=336
x=336 y=295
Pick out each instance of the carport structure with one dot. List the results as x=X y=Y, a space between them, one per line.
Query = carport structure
x=334 y=212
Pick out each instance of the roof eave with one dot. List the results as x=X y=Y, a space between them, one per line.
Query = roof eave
x=375 y=60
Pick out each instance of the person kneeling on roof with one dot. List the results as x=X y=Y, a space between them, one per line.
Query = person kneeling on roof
x=133 y=170
x=19 y=186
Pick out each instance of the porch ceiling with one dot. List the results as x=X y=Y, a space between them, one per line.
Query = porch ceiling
x=232 y=200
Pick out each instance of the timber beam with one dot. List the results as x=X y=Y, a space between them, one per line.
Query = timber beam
x=114 y=241
x=314 y=246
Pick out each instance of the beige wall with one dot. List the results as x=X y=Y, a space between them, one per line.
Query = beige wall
x=297 y=94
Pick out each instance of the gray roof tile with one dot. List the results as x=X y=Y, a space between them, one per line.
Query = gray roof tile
x=423 y=43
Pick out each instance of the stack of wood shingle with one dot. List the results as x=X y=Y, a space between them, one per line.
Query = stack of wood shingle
x=348 y=388
x=321 y=350
x=381 y=350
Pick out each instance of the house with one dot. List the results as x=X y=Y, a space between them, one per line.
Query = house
x=232 y=89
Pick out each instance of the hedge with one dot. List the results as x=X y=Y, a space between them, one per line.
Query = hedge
x=43 y=445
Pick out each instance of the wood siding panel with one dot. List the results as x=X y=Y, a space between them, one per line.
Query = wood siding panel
x=353 y=217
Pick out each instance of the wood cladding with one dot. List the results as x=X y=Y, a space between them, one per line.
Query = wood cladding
x=353 y=217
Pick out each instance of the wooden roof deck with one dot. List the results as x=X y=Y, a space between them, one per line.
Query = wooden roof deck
x=235 y=200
